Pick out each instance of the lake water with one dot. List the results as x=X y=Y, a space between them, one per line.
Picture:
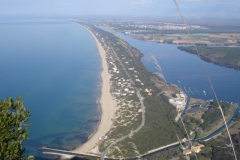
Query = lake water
x=185 y=71
x=195 y=106
x=55 y=65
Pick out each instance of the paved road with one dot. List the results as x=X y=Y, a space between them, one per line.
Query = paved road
x=65 y=152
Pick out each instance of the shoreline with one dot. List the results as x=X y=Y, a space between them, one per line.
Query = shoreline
x=106 y=103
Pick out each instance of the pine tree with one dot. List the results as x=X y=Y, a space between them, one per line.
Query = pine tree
x=13 y=128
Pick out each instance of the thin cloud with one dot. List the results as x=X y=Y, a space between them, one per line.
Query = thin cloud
x=142 y=2
x=194 y=0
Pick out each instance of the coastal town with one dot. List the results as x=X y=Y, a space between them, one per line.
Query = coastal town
x=140 y=26
x=176 y=33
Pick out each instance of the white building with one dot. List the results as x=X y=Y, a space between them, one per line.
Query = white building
x=182 y=95
x=126 y=89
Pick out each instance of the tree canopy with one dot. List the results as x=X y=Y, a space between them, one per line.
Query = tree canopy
x=13 y=128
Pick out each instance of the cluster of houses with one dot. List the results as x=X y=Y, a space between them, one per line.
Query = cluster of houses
x=136 y=76
x=179 y=101
x=138 y=80
x=122 y=86
x=134 y=72
x=164 y=26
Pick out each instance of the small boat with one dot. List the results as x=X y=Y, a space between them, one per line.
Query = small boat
x=204 y=92
x=178 y=81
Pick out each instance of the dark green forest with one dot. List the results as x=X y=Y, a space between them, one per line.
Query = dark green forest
x=223 y=56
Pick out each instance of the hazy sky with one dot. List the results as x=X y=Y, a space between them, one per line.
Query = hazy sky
x=189 y=8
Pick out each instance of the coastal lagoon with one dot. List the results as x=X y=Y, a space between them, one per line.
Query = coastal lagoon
x=185 y=70
x=56 y=66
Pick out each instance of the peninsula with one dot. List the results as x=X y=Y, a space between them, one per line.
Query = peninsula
x=146 y=107
x=141 y=113
x=130 y=103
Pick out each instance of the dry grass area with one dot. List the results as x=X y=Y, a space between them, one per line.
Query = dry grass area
x=167 y=90
x=226 y=35
x=193 y=101
x=182 y=41
x=198 y=112
x=218 y=39
x=234 y=129
x=125 y=116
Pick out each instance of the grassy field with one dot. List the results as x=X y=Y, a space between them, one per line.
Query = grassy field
x=224 y=39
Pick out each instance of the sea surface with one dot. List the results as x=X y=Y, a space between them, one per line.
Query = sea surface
x=55 y=66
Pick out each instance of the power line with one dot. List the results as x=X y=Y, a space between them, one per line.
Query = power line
x=205 y=70
x=162 y=76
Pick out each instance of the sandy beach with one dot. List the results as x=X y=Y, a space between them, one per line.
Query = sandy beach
x=107 y=104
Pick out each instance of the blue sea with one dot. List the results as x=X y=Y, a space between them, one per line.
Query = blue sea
x=55 y=66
